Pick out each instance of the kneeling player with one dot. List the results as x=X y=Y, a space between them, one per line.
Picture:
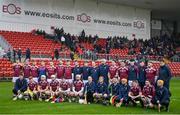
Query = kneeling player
x=53 y=88
x=43 y=92
x=135 y=94
x=31 y=92
x=148 y=94
x=113 y=90
x=77 y=89
x=101 y=93
x=161 y=96
x=122 y=97
x=64 y=90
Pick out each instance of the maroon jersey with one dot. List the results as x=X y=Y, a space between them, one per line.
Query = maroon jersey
x=51 y=71
x=17 y=70
x=60 y=71
x=112 y=71
x=34 y=71
x=43 y=85
x=78 y=85
x=150 y=74
x=135 y=90
x=27 y=70
x=32 y=85
x=64 y=85
x=54 y=85
x=68 y=72
x=148 y=91
x=123 y=72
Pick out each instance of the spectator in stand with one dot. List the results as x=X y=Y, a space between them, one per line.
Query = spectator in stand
x=19 y=53
x=9 y=54
x=28 y=54
x=56 y=54
x=14 y=55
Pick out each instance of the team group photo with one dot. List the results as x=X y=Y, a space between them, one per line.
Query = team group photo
x=89 y=57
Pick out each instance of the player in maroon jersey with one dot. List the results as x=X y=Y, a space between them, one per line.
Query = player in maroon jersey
x=148 y=94
x=27 y=70
x=77 y=89
x=135 y=94
x=64 y=89
x=31 y=92
x=34 y=71
x=60 y=70
x=43 y=88
x=51 y=70
x=68 y=72
x=112 y=71
x=53 y=87
x=17 y=67
x=123 y=71
x=151 y=73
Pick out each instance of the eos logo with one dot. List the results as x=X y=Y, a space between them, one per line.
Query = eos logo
x=138 y=24
x=83 y=18
x=11 y=9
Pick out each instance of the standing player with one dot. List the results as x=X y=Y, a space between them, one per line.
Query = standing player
x=43 y=88
x=64 y=89
x=142 y=74
x=132 y=72
x=31 y=92
x=42 y=70
x=123 y=71
x=68 y=72
x=77 y=89
x=135 y=94
x=77 y=69
x=123 y=91
x=94 y=72
x=101 y=93
x=53 y=88
x=34 y=71
x=148 y=94
x=150 y=73
x=60 y=71
x=112 y=71
x=17 y=67
x=51 y=70
x=89 y=90
x=103 y=71
x=85 y=72
x=26 y=70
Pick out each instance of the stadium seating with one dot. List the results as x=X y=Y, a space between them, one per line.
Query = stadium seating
x=37 y=44
x=6 y=69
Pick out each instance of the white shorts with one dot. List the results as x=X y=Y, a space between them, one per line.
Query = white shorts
x=49 y=80
x=69 y=80
x=35 y=79
x=85 y=81
x=130 y=83
x=14 y=79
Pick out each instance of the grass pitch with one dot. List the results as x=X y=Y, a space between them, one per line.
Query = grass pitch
x=7 y=106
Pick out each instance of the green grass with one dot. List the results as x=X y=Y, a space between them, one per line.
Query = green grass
x=7 y=106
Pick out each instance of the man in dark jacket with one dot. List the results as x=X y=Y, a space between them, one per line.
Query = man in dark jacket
x=142 y=75
x=20 y=87
x=19 y=53
x=28 y=54
x=161 y=96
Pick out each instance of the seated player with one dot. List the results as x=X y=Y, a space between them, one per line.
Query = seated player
x=101 y=93
x=43 y=89
x=89 y=90
x=64 y=90
x=20 y=87
x=135 y=94
x=77 y=89
x=53 y=88
x=113 y=89
x=161 y=96
x=31 y=92
x=148 y=93
x=123 y=91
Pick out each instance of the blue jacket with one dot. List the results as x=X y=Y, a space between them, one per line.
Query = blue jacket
x=132 y=73
x=102 y=88
x=162 y=94
x=85 y=72
x=103 y=70
x=142 y=74
x=123 y=91
x=164 y=73
x=94 y=73
x=20 y=85
x=77 y=70
x=89 y=87
x=113 y=89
